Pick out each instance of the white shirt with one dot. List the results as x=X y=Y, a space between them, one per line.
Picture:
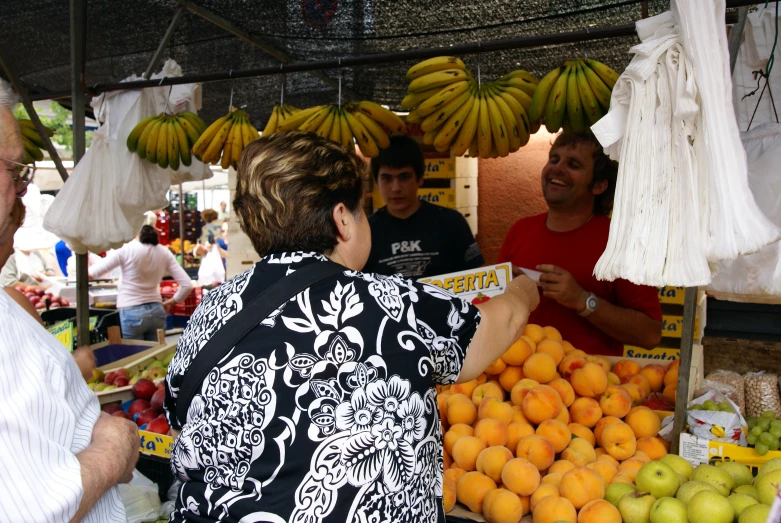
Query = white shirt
x=47 y=415
x=143 y=266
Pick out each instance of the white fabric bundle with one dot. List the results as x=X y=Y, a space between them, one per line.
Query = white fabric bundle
x=735 y=224
x=655 y=101
x=102 y=204
x=682 y=197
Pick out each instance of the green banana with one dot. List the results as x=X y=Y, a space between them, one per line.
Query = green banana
x=541 y=95
x=194 y=119
x=574 y=106
x=150 y=144
x=32 y=135
x=598 y=87
x=135 y=134
x=162 y=144
x=609 y=76
x=556 y=107
x=184 y=143
x=590 y=105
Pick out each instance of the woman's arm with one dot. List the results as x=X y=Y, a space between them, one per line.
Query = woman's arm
x=502 y=321
x=107 y=264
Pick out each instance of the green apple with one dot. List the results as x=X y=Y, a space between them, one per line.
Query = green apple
x=681 y=479
x=658 y=479
x=99 y=387
x=748 y=490
x=668 y=510
x=692 y=487
x=615 y=491
x=740 y=501
x=155 y=363
x=636 y=507
x=678 y=464
x=767 y=488
x=168 y=358
x=755 y=514
x=740 y=473
x=769 y=466
x=716 y=477
x=708 y=506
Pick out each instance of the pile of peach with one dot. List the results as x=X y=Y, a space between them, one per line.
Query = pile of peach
x=546 y=428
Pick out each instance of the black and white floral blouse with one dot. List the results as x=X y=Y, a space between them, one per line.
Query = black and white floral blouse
x=327 y=410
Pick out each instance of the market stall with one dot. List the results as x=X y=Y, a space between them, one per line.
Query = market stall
x=696 y=401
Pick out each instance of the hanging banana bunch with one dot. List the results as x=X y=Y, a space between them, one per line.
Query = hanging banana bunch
x=365 y=121
x=459 y=114
x=225 y=139
x=574 y=96
x=166 y=139
x=33 y=144
x=278 y=114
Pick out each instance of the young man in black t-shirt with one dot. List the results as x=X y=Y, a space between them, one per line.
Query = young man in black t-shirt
x=411 y=237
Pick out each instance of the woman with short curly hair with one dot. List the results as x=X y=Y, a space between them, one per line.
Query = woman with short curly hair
x=325 y=410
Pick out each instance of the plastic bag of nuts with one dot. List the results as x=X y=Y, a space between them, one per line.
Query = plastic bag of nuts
x=734 y=380
x=762 y=393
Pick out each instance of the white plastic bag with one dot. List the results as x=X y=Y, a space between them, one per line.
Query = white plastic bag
x=759 y=273
x=726 y=427
x=141 y=499
x=86 y=212
x=212 y=270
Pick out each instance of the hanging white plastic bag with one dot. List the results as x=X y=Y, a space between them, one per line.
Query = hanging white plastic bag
x=212 y=270
x=86 y=212
x=140 y=498
x=759 y=273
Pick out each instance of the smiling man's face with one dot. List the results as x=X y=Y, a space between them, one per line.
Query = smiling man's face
x=567 y=176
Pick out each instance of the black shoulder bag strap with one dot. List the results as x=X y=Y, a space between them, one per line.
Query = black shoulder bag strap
x=242 y=323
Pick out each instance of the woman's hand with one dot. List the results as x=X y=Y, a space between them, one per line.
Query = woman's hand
x=525 y=286
x=168 y=305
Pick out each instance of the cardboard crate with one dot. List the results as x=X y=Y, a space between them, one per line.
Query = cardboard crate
x=134 y=364
x=700 y=450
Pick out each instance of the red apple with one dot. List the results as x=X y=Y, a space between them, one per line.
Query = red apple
x=65 y=303
x=159 y=425
x=138 y=406
x=144 y=389
x=54 y=306
x=40 y=305
x=124 y=373
x=109 y=378
x=157 y=400
x=123 y=414
x=35 y=300
x=56 y=299
x=120 y=381
x=146 y=416
x=30 y=295
x=30 y=288
x=40 y=292
x=111 y=408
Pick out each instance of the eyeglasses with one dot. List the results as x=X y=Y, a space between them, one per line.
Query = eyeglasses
x=22 y=175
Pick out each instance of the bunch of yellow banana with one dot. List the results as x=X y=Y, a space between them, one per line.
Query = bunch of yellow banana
x=33 y=144
x=226 y=138
x=278 y=114
x=166 y=139
x=574 y=96
x=367 y=122
x=489 y=120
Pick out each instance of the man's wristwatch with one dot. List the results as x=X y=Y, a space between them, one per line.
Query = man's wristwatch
x=592 y=303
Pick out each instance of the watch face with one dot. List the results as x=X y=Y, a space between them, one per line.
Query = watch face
x=592 y=303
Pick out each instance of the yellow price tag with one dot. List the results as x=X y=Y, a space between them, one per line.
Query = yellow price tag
x=63 y=331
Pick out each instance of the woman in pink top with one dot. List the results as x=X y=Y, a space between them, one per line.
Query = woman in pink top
x=144 y=263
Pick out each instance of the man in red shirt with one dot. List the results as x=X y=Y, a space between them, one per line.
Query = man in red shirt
x=598 y=317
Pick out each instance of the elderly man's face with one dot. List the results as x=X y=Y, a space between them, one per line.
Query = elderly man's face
x=10 y=149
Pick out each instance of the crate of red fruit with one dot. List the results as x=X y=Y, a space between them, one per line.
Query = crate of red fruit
x=185 y=308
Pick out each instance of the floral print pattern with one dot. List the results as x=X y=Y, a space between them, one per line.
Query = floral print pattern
x=326 y=411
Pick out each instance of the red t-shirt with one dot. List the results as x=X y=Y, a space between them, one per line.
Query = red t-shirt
x=530 y=243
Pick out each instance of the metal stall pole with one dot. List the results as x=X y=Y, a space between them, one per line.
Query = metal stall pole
x=78 y=21
x=181 y=224
x=690 y=302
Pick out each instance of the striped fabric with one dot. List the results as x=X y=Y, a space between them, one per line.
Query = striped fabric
x=47 y=413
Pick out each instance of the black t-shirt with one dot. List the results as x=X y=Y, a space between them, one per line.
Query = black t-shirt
x=326 y=411
x=435 y=240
